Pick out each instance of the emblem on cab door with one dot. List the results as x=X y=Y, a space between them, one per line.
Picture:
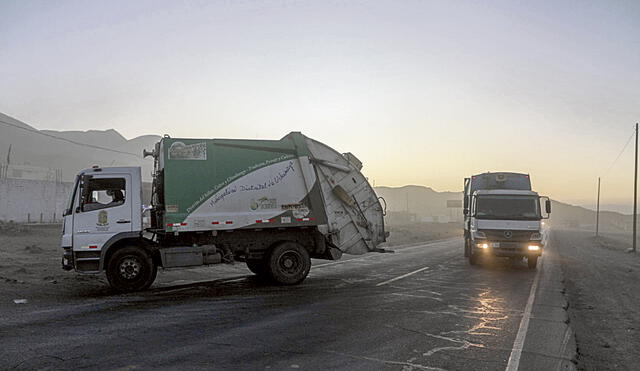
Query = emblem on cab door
x=508 y=234
x=103 y=218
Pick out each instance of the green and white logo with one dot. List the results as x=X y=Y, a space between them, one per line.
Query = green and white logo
x=263 y=203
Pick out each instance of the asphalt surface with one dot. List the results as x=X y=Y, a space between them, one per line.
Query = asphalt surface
x=422 y=308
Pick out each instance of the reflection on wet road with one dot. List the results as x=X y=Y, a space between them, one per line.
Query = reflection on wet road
x=421 y=308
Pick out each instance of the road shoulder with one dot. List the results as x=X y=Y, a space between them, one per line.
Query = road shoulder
x=550 y=340
x=601 y=281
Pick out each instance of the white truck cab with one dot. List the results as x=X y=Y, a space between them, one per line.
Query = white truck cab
x=507 y=223
x=103 y=208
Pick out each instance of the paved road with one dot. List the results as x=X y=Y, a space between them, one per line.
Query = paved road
x=422 y=307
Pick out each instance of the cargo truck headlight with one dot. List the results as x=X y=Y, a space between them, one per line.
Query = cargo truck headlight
x=536 y=236
x=483 y=245
x=533 y=248
x=479 y=234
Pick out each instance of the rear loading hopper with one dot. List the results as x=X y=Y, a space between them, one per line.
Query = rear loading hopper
x=355 y=221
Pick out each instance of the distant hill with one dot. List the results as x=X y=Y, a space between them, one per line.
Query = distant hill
x=31 y=148
x=425 y=202
x=576 y=216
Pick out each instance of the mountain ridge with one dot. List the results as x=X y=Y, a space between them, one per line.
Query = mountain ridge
x=56 y=149
x=424 y=202
x=30 y=146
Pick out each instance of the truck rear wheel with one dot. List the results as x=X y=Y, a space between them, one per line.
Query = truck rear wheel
x=131 y=269
x=532 y=262
x=258 y=267
x=288 y=263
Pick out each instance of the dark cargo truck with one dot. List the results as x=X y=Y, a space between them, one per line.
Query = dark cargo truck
x=503 y=217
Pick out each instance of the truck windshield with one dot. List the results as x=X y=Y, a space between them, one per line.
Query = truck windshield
x=507 y=207
x=72 y=197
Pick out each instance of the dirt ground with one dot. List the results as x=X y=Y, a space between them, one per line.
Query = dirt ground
x=31 y=255
x=30 y=266
x=31 y=269
x=604 y=305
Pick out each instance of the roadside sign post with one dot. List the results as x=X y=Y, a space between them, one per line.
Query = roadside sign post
x=635 y=193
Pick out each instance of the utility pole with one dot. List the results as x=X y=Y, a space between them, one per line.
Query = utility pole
x=598 y=209
x=635 y=193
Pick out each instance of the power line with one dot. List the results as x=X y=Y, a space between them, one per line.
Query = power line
x=619 y=154
x=68 y=140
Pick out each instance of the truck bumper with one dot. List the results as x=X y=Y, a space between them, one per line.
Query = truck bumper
x=67 y=259
x=508 y=249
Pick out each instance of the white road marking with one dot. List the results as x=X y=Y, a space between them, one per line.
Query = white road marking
x=343 y=261
x=401 y=277
x=399 y=249
x=518 y=344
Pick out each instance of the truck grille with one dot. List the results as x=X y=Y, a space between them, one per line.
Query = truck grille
x=499 y=235
x=510 y=246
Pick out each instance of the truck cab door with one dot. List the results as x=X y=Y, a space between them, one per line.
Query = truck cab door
x=466 y=208
x=105 y=209
x=472 y=212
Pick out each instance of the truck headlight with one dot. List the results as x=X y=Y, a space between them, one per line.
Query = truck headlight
x=536 y=236
x=483 y=245
x=479 y=234
x=533 y=248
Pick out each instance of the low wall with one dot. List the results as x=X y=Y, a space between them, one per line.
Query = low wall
x=33 y=201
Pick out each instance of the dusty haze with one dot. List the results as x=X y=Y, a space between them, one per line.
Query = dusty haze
x=547 y=88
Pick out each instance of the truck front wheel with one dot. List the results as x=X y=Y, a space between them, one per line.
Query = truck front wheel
x=288 y=263
x=532 y=262
x=131 y=269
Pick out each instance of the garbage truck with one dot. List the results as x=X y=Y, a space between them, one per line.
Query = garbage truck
x=272 y=204
x=503 y=218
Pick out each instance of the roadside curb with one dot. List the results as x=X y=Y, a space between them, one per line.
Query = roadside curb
x=550 y=343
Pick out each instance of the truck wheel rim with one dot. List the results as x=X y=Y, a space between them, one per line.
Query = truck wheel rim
x=130 y=268
x=290 y=262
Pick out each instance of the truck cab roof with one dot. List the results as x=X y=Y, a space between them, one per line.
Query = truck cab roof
x=119 y=169
x=505 y=192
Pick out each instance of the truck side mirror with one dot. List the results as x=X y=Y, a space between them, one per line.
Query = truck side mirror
x=465 y=211
x=547 y=206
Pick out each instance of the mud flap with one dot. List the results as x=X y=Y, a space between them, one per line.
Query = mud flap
x=332 y=253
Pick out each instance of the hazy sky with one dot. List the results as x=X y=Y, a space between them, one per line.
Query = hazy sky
x=423 y=92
